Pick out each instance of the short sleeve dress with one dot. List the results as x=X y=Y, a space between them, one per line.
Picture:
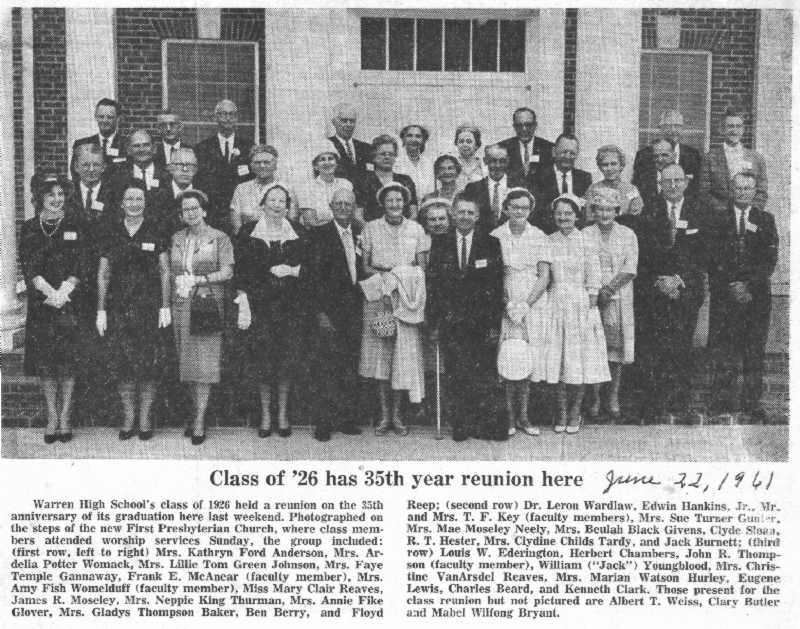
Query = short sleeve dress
x=576 y=349
x=386 y=246
x=54 y=337
x=521 y=256
x=134 y=299
x=199 y=356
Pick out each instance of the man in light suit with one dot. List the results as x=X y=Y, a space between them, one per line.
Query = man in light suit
x=673 y=257
x=170 y=129
x=527 y=153
x=107 y=113
x=560 y=178
x=744 y=252
x=465 y=306
x=223 y=160
x=333 y=277
x=354 y=155
x=722 y=163
x=489 y=192
x=687 y=157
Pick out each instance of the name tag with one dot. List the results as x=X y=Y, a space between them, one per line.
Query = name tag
x=148 y=246
x=98 y=206
x=632 y=195
x=751 y=228
x=243 y=170
x=481 y=264
x=689 y=176
x=70 y=236
x=370 y=167
x=691 y=232
x=681 y=224
x=113 y=152
x=119 y=160
x=153 y=183
x=534 y=159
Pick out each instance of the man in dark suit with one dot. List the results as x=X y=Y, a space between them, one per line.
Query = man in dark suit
x=744 y=253
x=170 y=129
x=224 y=160
x=560 y=178
x=526 y=153
x=648 y=177
x=687 y=157
x=355 y=156
x=333 y=273
x=465 y=305
x=139 y=165
x=107 y=114
x=722 y=163
x=672 y=261
x=92 y=197
x=489 y=192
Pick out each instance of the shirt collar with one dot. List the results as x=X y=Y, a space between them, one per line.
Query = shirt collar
x=503 y=182
x=559 y=173
x=468 y=236
x=287 y=231
x=147 y=173
x=176 y=190
x=109 y=138
x=342 y=230
x=95 y=188
x=222 y=139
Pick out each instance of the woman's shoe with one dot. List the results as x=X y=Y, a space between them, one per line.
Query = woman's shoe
x=50 y=438
x=65 y=437
x=263 y=433
x=284 y=432
x=383 y=428
x=145 y=435
x=400 y=428
x=529 y=429
x=124 y=435
x=198 y=439
x=574 y=425
x=512 y=430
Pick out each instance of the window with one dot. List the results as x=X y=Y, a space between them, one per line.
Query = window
x=436 y=45
x=676 y=79
x=197 y=74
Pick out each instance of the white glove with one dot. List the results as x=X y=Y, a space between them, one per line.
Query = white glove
x=184 y=285
x=66 y=289
x=164 y=317
x=50 y=293
x=281 y=270
x=517 y=311
x=101 y=322
x=244 y=318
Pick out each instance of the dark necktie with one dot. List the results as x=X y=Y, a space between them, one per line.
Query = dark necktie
x=463 y=252
x=88 y=204
x=526 y=164
x=227 y=152
x=350 y=155
x=496 y=200
x=740 y=236
x=673 y=222
x=564 y=182
x=105 y=146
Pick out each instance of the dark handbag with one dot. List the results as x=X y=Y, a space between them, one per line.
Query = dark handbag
x=204 y=317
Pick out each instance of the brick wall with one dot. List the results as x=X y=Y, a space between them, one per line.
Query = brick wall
x=248 y=25
x=731 y=37
x=50 y=88
x=139 y=33
x=570 y=63
x=19 y=175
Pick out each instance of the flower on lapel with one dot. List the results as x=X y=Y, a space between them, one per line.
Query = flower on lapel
x=235 y=152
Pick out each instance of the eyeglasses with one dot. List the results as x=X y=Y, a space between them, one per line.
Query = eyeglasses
x=184 y=165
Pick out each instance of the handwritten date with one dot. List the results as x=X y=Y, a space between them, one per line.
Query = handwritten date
x=695 y=481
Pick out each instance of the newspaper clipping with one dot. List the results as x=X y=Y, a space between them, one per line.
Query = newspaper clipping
x=255 y=369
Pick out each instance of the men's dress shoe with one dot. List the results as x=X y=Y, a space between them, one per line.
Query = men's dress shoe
x=322 y=434
x=145 y=435
x=459 y=434
x=65 y=437
x=263 y=433
x=400 y=428
x=124 y=435
x=52 y=438
x=349 y=429
x=187 y=432
x=285 y=432
x=529 y=429
x=198 y=440
x=382 y=429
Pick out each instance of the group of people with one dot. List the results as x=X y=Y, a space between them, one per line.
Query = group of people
x=513 y=269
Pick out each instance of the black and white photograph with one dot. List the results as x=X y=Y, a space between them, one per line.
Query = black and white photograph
x=391 y=234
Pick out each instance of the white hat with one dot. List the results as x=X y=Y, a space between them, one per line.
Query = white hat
x=514 y=361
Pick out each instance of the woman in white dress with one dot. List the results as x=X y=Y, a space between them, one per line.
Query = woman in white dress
x=576 y=350
x=526 y=260
x=618 y=251
x=317 y=210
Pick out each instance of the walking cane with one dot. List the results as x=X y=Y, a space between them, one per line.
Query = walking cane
x=438 y=397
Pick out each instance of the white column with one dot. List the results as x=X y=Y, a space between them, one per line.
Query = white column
x=10 y=308
x=209 y=23
x=91 y=67
x=607 y=83
x=773 y=119
x=28 y=157
x=545 y=65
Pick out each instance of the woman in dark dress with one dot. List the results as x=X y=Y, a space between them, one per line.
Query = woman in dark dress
x=269 y=256
x=133 y=292
x=53 y=257
x=384 y=155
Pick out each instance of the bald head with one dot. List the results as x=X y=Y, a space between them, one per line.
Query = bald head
x=673 y=183
x=226 y=114
x=343 y=206
x=140 y=148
